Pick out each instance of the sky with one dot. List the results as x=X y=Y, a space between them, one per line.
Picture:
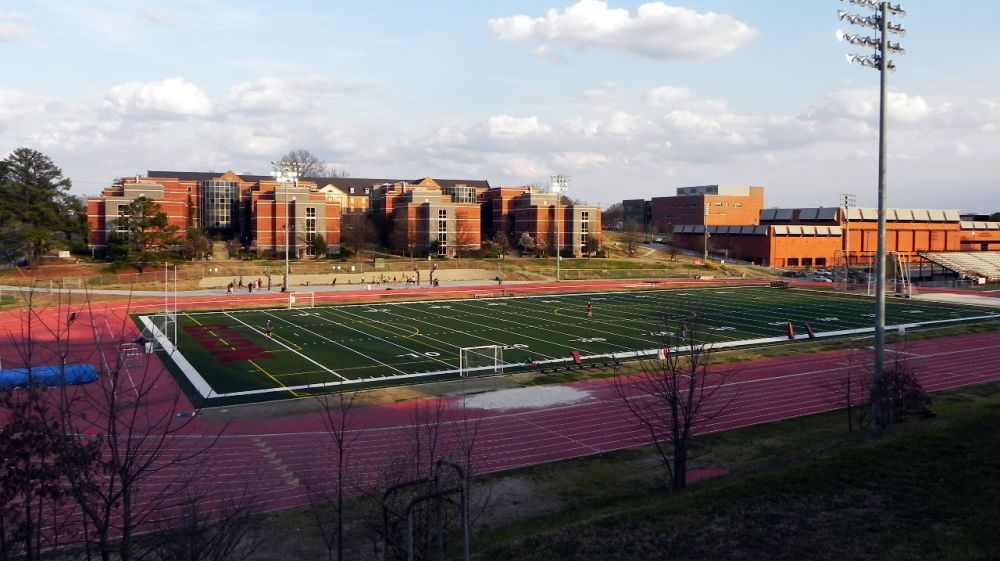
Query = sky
x=631 y=99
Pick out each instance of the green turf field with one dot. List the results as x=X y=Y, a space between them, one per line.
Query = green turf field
x=395 y=342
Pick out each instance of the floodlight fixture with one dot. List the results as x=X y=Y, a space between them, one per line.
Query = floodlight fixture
x=878 y=60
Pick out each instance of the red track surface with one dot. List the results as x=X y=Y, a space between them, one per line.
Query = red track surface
x=275 y=460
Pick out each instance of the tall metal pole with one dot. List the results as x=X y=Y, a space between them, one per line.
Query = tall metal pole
x=558 y=239
x=877 y=413
x=286 y=173
x=848 y=202
x=284 y=284
x=557 y=184
x=879 y=61
x=705 y=240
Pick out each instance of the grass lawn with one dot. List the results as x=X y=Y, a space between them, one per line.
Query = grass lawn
x=802 y=489
x=397 y=342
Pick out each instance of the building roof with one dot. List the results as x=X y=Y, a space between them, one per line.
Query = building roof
x=351 y=185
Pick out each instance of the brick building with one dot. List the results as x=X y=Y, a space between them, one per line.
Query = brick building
x=440 y=216
x=712 y=205
x=827 y=236
x=250 y=208
x=514 y=211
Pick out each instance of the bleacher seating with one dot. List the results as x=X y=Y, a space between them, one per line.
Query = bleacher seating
x=779 y=284
x=971 y=264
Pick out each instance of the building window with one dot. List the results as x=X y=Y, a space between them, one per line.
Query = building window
x=584 y=230
x=442 y=232
x=311 y=231
x=793 y=261
x=120 y=226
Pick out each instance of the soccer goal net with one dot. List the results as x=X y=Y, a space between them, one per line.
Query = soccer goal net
x=159 y=329
x=480 y=361
x=301 y=300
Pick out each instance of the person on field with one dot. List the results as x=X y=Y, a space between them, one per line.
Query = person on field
x=269 y=329
x=590 y=309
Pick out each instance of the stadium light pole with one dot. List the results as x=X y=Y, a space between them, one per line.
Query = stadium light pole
x=558 y=182
x=879 y=60
x=704 y=257
x=287 y=174
x=847 y=201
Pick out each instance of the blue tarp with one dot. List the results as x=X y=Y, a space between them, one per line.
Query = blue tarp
x=45 y=376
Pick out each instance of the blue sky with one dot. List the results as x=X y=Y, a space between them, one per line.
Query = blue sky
x=632 y=99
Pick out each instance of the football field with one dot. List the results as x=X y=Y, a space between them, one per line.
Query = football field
x=230 y=354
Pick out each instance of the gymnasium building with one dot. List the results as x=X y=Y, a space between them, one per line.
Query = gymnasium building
x=930 y=241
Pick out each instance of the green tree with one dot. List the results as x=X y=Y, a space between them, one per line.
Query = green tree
x=148 y=232
x=35 y=206
x=320 y=247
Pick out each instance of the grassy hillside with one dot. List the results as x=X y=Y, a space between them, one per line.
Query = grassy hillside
x=928 y=489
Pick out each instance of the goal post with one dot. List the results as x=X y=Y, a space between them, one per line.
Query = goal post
x=301 y=300
x=162 y=328
x=485 y=360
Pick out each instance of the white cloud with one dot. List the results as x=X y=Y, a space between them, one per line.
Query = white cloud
x=657 y=31
x=581 y=159
x=507 y=127
x=602 y=96
x=863 y=104
x=159 y=17
x=285 y=94
x=16 y=104
x=170 y=97
x=667 y=96
x=525 y=167
x=10 y=31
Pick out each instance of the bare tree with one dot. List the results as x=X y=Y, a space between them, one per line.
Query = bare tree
x=501 y=243
x=901 y=393
x=336 y=413
x=632 y=236
x=465 y=238
x=35 y=452
x=209 y=526
x=673 y=394
x=310 y=166
x=852 y=389
x=143 y=462
x=358 y=232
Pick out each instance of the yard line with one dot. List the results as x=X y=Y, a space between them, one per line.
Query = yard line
x=254 y=329
x=539 y=327
x=409 y=350
x=338 y=343
x=481 y=326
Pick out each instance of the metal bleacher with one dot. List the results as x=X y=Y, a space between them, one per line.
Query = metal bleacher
x=985 y=264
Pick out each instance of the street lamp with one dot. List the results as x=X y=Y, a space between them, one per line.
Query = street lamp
x=559 y=182
x=879 y=60
x=287 y=174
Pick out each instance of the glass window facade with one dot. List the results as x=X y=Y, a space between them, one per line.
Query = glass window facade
x=219 y=204
x=442 y=232
x=311 y=231
x=460 y=193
